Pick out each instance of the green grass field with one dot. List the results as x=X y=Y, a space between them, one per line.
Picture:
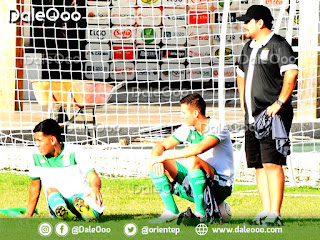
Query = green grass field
x=136 y=200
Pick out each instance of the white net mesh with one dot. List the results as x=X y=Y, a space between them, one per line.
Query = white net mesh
x=112 y=73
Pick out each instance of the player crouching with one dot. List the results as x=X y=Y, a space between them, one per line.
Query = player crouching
x=64 y=171
x=210 y=153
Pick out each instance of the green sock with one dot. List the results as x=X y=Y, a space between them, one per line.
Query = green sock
x=197 y=182
x=163 y=186
x=55 y=199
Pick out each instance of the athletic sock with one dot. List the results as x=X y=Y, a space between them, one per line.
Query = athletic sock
x=163 y=186
x=55 y=199
x=197 y=182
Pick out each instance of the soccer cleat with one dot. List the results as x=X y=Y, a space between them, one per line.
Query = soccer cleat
x=64 y=213
x=260 y=217
x=166 y=216
x=273 y=219
x=84 y=209
x=201 y=217
x=189 y=219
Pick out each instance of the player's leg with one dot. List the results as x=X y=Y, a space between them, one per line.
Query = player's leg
x=58 y=205
x=168 y=184
x=86 y=211
x=276 y=185
x=263 y=189
x=253 y=156
x=163 y=186
x=197 y=168
x=272 y=163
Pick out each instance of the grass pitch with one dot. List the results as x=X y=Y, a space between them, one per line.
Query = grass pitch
x=137 y=200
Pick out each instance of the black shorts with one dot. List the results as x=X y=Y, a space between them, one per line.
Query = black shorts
x=261 y=151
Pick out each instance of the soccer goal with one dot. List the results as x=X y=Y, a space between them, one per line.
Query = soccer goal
x=111 y=72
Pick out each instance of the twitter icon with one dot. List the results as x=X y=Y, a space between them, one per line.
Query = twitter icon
x=130 y=229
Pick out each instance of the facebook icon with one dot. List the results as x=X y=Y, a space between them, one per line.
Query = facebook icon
x=62 y=229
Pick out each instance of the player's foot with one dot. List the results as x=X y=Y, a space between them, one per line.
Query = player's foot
x=84 y=209
x=166 y=216
x=201 y=217
x=260 y=217
x=64 y=213
x=273 y=219
x=188 y=218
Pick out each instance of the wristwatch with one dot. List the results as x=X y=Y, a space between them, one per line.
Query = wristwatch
x=279 y=102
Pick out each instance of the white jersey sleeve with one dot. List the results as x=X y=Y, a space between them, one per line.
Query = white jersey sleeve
x=181 y=134
x=218 y=130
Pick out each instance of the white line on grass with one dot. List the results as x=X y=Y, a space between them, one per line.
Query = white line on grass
x=254 y=192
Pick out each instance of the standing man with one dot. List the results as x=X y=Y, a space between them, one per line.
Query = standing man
x=64 y=172
x=210 y=153
x=266 y=77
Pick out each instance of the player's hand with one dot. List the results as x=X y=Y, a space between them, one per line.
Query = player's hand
x=158 y=159
x=96 y=195
x=273 y=109
x=158 y=169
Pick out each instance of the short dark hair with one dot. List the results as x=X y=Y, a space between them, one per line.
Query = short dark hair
x=195 y=100
x=49 y=127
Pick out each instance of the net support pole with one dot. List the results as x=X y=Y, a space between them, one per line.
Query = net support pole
x=309 y=81
x=221 y=80
x=280 y=16
x=7 y=61
x=292 y=13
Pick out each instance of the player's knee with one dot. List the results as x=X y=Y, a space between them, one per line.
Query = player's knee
x=271 y=167
x=193 y=163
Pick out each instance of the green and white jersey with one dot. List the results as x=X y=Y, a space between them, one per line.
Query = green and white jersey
x=221 y=156
x=67 y=172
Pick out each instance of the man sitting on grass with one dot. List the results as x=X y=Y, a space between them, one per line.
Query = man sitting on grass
x=210 y=153
x=63 y=171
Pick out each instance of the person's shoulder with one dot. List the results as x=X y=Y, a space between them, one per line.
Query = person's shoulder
x=215 y=121
x=216 y=125
x=278 y=39
x=185 y=127
x=72 y=148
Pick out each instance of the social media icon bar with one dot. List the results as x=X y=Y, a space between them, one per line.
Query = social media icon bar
x=130 y=229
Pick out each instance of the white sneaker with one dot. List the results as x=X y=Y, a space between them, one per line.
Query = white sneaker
x=273 y=219
x=260 y=217
x=166 y=216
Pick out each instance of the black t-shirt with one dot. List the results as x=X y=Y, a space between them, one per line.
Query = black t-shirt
x=272 y=61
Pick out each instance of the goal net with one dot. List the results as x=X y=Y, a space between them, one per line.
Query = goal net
x=112 y=72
